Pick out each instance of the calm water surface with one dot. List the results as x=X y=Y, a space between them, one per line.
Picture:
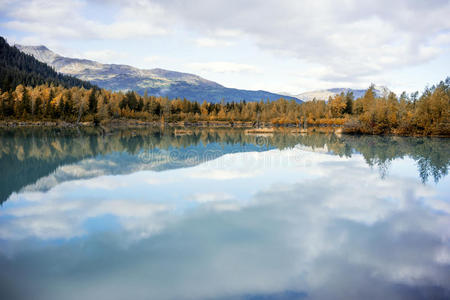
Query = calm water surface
x=145 y=214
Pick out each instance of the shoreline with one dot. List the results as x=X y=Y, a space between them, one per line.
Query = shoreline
x=183 y=127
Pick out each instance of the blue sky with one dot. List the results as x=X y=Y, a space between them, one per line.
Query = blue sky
x=276 y=45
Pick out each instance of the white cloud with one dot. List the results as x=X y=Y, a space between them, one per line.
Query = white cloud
x=65 y=19
x=155 y=180
x=223 y=67
x=354 y=39
x=104 y=56
x=384 y=235
x=47 y=217
x=211 y=197
x=212 y=42
x=219 y=174
x=353 y=42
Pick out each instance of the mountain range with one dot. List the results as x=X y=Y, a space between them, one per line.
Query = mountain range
x=166 y=83
x=325 y=94
x=158 y=82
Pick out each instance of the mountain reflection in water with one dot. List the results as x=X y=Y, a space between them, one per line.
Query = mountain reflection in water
x=218 y=214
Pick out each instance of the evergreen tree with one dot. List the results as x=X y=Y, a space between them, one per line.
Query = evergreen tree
x=92 y=102
x=348 y=103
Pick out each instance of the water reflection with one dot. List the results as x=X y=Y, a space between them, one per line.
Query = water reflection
x=27 y=155
x=228 y=216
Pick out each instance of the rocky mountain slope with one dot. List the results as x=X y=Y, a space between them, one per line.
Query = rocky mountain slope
x=157 y=82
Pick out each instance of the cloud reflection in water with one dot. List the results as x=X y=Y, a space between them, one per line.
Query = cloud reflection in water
x=282 y=223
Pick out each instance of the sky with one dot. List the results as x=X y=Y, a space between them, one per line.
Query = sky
x=288 y=46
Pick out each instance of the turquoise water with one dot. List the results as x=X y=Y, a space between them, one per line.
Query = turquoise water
x=145 y=214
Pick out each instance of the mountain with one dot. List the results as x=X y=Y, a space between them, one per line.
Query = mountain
x=325 y=94
x=158 y=82
x=19 y=68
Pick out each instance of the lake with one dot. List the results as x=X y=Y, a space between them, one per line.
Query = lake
x=220 y=214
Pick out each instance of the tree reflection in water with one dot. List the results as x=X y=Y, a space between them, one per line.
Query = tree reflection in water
x=28 y=154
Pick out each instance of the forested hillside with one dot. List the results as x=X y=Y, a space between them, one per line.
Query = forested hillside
x=17 y=68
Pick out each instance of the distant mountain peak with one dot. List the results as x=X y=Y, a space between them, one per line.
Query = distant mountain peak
x=326 y=93
x=41 y=53
x=157 y=81
x=42 y=48
x=36 y=48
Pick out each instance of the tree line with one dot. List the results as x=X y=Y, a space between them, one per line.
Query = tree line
x=427 y=114
x=32 y=91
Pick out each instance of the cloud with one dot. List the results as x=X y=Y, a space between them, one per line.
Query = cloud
x=320 y=236
x=104 y=56
x=223 y=67
x=47 y=217
x=67 y=19
x=210 y=197
x=354 y=39
x=212 y=42
x=220 y=174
